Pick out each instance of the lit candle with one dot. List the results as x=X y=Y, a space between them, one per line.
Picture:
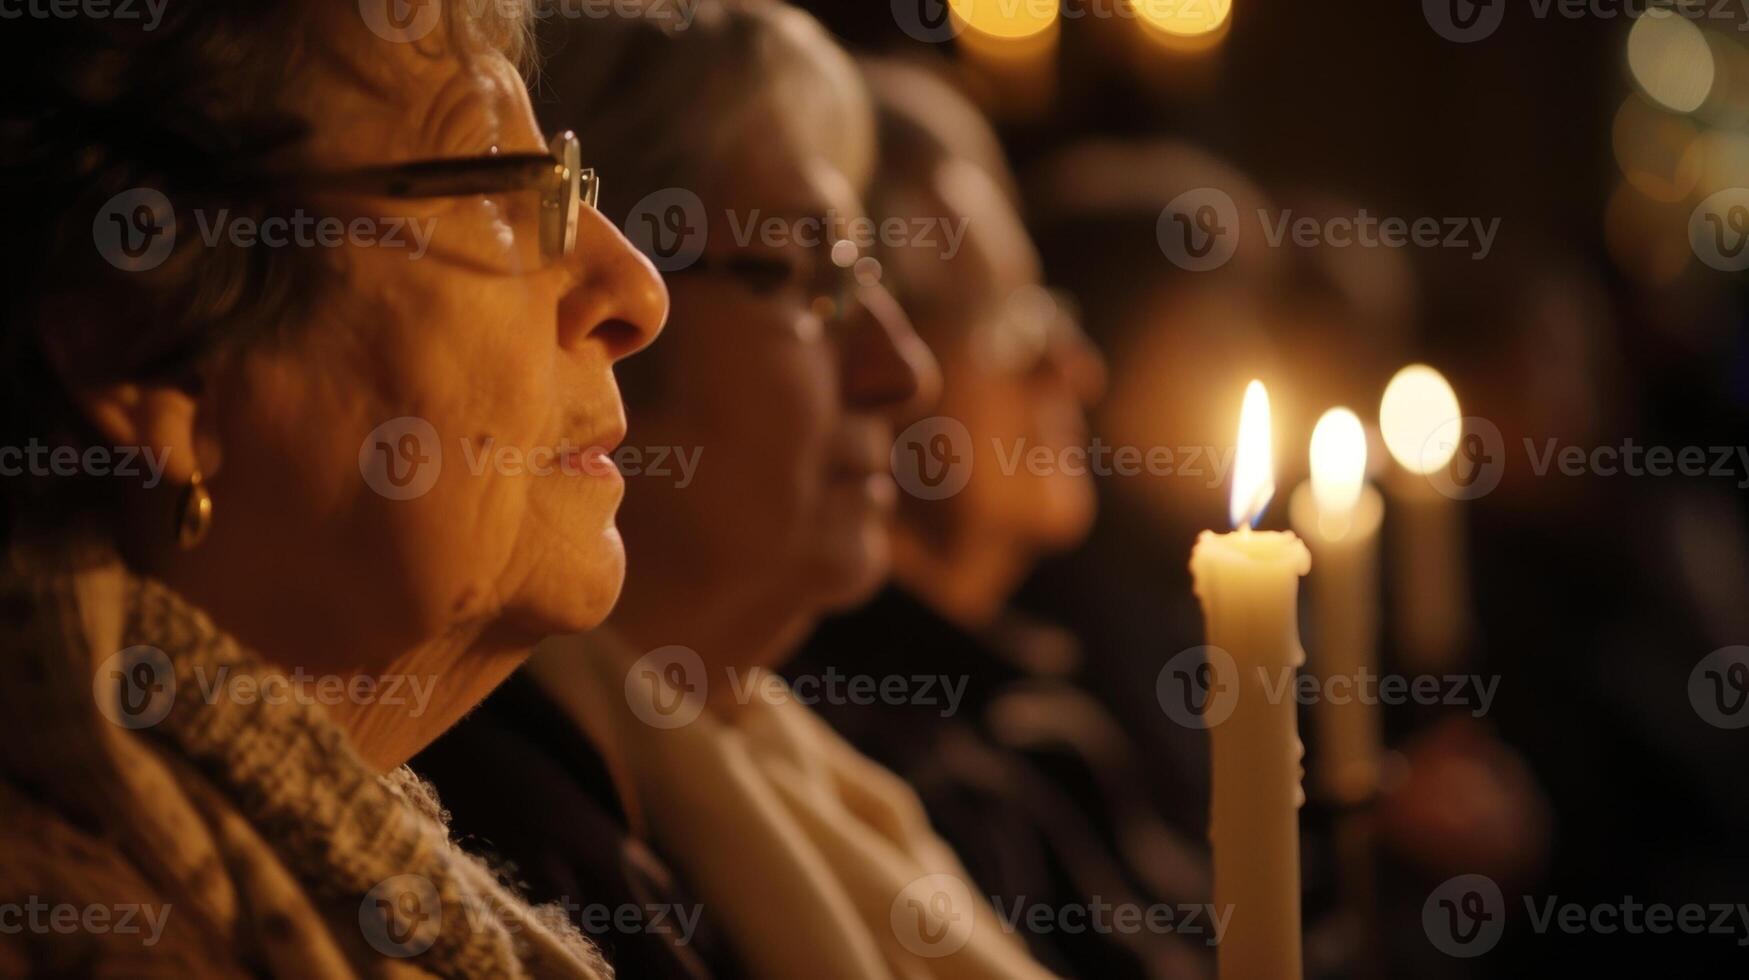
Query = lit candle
x=1248 y=582
x=1338 y=514
x=1420 y=420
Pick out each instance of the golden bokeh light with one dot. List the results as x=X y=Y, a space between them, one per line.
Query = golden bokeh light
x=1416 y=415
x=1183 y=18
x=1671 y=60
x=1006 y=20
x=1660 y=154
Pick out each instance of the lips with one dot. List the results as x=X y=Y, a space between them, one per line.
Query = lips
x=589 y=461
x=593 y=455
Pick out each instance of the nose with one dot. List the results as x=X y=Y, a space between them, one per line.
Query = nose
x=618 y=299
x=886 y=367
x=1072 y=358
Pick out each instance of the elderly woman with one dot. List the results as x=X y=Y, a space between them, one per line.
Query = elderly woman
x=252 y=567
x=1030 y=779
x=654 y=765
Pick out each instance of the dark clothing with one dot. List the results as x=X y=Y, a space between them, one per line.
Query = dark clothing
x=1027 y=777
x=524 y=785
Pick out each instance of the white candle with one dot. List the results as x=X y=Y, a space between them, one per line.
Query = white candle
x=1338 y=515
x=1248 y=582
x=1419 y=419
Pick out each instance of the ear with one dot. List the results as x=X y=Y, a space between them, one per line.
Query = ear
x=161 y=418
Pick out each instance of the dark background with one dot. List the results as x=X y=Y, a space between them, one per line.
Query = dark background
x=1594 y=597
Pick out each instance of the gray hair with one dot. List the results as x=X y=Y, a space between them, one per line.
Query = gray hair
x=656 y=103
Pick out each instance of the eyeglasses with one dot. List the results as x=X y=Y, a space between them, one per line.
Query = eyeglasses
x=1019 y=336
x=558 y=175
x=832 y=279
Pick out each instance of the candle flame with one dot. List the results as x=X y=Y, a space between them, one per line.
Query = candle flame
x=1418 y=405
x=1254 y=470
x=1338 y=461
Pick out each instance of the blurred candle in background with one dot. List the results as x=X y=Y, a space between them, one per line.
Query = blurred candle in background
x=1420 y=420
x=1009 y=53
x=1338 y=515
x=1248 y=583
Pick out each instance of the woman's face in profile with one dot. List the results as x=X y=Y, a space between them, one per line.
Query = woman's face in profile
x=424 y=460
x=790 y=416
x=1017 y=372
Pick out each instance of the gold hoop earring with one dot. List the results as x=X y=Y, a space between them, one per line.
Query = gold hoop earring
x=196 y=517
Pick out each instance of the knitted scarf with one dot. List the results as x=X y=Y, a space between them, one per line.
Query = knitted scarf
x=247 y=829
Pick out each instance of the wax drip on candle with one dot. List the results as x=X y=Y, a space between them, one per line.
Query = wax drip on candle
x=1254 y=470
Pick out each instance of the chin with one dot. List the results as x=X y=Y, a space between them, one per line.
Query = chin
x=852 y=568
x=1068 y=514
x=577 y=594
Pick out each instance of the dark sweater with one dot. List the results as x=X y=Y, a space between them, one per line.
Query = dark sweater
x=525 y=786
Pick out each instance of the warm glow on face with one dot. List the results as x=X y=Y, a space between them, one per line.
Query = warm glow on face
x=1418 y=404
x=1671 y=59
x=1254 y=470
x=1008 y=20
x=1183 y=19
x=1338 y=461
